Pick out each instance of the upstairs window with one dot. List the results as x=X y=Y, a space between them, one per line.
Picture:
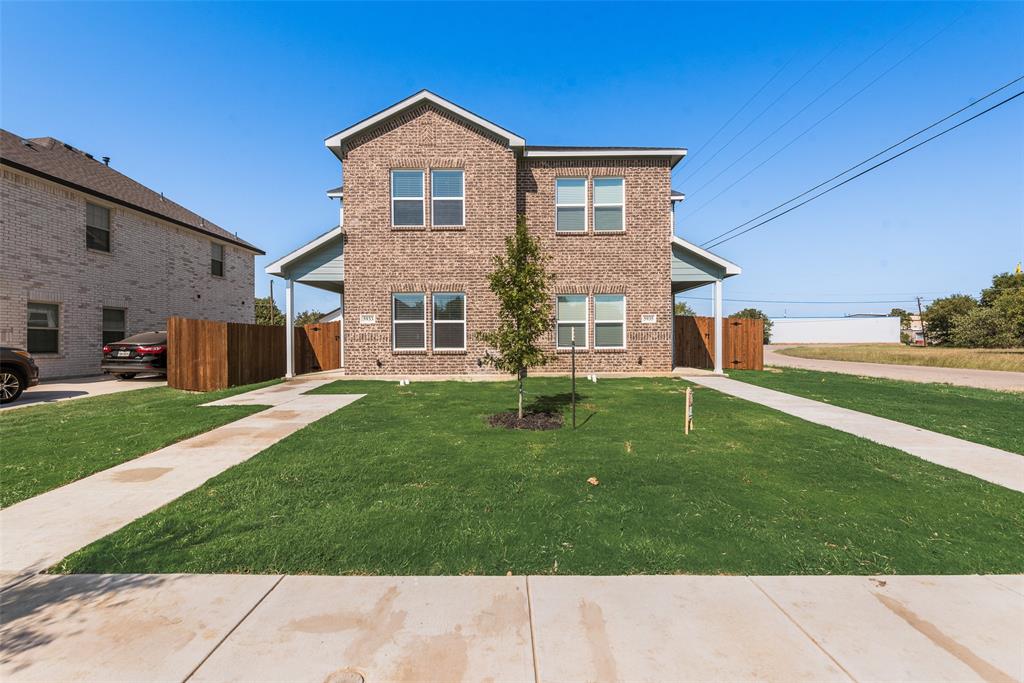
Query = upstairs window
x=571 y=314
x=609 y=205
x=217 y=259
x=448 y=205
x=407 y=199
x=43 y=328
x=409 y=323
x=97 y=227
x=449 y=322
x=113 y=325
x=571 y=205
x=609 y=321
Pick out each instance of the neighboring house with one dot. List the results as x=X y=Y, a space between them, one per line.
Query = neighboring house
x=853 y=329
x=92 y=256
x=430 y=193
x=331 y=316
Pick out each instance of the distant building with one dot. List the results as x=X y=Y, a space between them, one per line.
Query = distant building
x=855 y=329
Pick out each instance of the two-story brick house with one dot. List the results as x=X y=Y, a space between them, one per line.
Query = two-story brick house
x=430 y=193
x=92 y=256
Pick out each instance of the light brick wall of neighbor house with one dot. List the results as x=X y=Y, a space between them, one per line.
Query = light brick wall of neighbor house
x=154 y=270
x=380 y=260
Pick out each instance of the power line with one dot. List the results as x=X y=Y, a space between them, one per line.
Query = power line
x=780 y=301
x=868 y=170
x=819 y=121
x=870 y=158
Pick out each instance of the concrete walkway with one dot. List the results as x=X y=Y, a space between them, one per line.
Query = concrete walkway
x=982 y=379
x=43 y=530
x=84 y=387
x=984 y=462
x=573 y=628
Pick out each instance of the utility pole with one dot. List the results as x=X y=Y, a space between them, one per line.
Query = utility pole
x=920 y=314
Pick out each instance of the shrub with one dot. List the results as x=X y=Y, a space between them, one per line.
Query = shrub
x=756 y=314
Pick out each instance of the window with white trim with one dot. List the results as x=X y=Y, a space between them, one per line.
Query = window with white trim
x=609 y=321
x=449 y=321
x=571 y=317
x=447 y=199
x=43 y=328
x=97 y=227
x=570 y=205
x=609 y=205
x=408 y=321
x=407 y=199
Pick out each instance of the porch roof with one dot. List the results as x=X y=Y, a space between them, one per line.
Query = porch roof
x=694 y=267
x=319 y=263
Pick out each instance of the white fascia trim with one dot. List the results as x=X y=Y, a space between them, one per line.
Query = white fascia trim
x=340 y=194
x=278 y=266
x=730 y=267
x=676 y=154
x=676 y=196
x=336 y=140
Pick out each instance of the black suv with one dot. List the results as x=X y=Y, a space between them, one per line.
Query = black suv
x=17 y=372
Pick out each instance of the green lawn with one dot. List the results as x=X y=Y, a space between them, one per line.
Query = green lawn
x=411 y=480
x=46 y=446
x=993 y=418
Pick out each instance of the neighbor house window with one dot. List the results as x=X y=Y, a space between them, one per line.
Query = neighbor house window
x=609 y=205
x=609 y=321
x=447 y=199
x=449 y=322
x=571 y=205
x=217 y=259
x=97 y=227
x=408 y=315
x=407 y=198
x=113 y=325
x=43 y=328
x=571 y=314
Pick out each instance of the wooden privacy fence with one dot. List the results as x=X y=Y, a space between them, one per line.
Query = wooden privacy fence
x=742 y=343
x=203 y=355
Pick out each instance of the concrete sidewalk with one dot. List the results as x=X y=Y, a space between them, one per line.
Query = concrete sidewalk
x=982 y=379
x=42 y=530
x=84 y=387
x=984 y=462
x=572 y=628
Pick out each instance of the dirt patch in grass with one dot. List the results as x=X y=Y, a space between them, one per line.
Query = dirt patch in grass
x=535 y=421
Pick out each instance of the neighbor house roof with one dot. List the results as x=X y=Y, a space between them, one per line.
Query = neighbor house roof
x=59 y=162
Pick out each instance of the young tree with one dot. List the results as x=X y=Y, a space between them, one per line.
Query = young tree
x=520 y=282
x=756 y=314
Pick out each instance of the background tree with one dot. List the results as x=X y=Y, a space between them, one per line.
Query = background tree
x=308 y=317
x=267 y=312
x=756 y=314
x=904 y=316
x=1001 y=284
x=683 y=308
x=940 y=314
x=520 y=282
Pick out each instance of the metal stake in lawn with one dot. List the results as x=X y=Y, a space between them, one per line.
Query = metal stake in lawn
x=573 y=329
x=688 y=420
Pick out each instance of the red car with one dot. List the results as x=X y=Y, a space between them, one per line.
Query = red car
x=140 y=354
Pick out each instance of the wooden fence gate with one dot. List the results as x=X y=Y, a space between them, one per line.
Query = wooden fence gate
x=317 y=347
x=742 y=343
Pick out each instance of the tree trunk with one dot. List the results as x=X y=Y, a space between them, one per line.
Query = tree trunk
x=520 y=395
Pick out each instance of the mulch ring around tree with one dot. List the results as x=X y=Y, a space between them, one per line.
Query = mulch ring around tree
x=535 y=421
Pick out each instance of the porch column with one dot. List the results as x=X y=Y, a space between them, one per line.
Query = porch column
x=718 y=327
x=289 y=327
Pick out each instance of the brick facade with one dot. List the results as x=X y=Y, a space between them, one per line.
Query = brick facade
x=380 y=259
x=154 y=270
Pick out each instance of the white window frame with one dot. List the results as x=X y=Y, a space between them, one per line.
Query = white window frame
x=621 y=204
x=436 y=322
x=421 y=199
x=395 y=322
x=462 y=198
x=586 y=200
x=623 y=321
x=585 y=321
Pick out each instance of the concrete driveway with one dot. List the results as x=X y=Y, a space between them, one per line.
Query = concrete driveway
x=82 y=387
x=981 y=379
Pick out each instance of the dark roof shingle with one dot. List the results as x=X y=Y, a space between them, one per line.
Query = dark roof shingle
x=59 y=162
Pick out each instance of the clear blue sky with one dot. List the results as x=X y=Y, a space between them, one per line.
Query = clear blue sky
x=224 y=108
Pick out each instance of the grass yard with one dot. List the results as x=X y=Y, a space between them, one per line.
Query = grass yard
x=46 y=446
x=411 y=480
x=901 y=354
x=993 y=418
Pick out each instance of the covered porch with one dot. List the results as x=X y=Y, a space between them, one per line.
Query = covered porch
x=693 y=267
x=319 y=263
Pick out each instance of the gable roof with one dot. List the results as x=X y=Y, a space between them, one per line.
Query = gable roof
x=729 y=267
x=278 y=267
x=336 y=142
x=59 y=162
